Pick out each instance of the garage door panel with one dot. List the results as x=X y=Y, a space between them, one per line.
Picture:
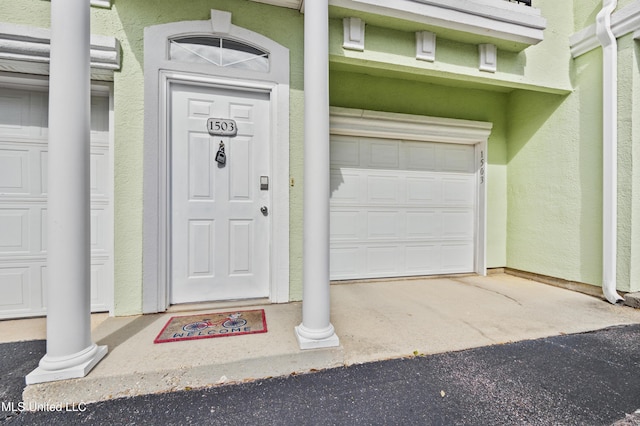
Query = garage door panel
x=458 y=223
x=345 y=187
x=457 y=257
x=100 y=280
x=383 y=154
x=14 y=170
x=423 y=259
x=458 y=190
x=42 y=235
x=14 y=230
x=99 y=119
x=22 y=114
x=383 y=225
x=456 y=158
x=43 y=160
x=98 y=171
x=423 y=190
x=407 y=208
x=383 y=189
x=99 y=229
x=345 y=225
x=423 y=224
x=23 y=198
x=345 y=151
x=383 y=260
x=345 y=261
x=421 y=156
x=15 y=288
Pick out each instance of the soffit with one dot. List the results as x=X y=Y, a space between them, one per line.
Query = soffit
x=509 y=25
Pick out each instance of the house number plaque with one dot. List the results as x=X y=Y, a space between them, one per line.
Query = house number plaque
x=222 y=127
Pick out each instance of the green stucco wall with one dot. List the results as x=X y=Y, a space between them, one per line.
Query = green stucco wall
x=628 y=270
x=544 y=171
x=555 y=182
x=126 y=21
x=554 y=174
x=555 y=170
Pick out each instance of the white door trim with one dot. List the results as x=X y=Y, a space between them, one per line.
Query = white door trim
x=159 y=72
x=386 y=125
x=279 y=246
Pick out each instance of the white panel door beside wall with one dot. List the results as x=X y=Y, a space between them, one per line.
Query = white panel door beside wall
x=23 y=203
x=219 y=236
x=401 y=208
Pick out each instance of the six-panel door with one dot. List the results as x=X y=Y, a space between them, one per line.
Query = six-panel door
x=219 y=233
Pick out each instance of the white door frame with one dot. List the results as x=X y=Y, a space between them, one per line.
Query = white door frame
x=279 y=189
x=160 y=73
x=195 y=83
x=386 y=125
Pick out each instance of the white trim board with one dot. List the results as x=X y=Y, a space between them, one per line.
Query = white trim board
x=623 y=21
x=26 y=49
x=356 y=122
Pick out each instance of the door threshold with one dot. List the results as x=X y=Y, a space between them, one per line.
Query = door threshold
x=216 y=305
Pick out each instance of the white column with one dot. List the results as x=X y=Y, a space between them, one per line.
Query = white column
x=70 y=351
x=316 y=330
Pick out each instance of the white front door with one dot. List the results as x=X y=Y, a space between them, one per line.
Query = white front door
x=220 y=236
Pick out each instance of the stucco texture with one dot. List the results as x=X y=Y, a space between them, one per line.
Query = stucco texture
x=628 y=267
x=554 y=168
x=127 y=21
x=544 y=175
x=555 y=171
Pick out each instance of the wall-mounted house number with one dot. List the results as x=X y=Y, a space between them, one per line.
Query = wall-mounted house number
x=222 y=127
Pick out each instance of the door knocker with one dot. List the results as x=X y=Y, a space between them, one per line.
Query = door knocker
x=221 y=157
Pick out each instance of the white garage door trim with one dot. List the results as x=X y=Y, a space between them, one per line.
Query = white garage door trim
x=412 y=128
x=102 y=204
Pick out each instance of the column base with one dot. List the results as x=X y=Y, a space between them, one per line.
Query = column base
x=331 y=341
x=40 y=375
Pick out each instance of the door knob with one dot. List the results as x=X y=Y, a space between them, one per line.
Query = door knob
x=264 y=210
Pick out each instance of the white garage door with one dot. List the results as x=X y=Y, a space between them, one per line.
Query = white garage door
x=23 y=203
x=401 y=208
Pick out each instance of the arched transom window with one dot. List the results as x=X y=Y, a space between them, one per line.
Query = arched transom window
x=219 y=51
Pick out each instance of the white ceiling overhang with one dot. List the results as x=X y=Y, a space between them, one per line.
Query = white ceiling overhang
x=498 y=19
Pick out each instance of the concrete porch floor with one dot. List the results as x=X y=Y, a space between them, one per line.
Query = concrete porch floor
x=374 y=321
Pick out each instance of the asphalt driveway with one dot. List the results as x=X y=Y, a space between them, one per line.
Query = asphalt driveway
x=580 y=379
